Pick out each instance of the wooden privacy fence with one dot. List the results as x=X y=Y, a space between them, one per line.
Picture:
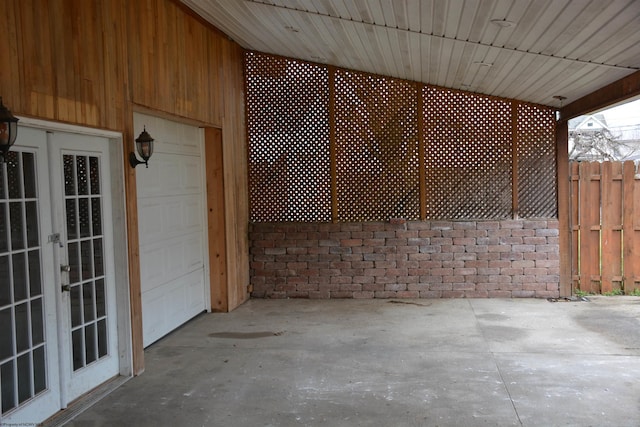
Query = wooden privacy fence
x=605 y=226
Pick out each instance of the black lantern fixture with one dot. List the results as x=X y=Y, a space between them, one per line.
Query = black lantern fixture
x=144 y=147
x=8 y=130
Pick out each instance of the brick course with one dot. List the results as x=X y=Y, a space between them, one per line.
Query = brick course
x=412 y=259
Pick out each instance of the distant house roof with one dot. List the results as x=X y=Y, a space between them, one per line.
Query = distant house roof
x=589 y=122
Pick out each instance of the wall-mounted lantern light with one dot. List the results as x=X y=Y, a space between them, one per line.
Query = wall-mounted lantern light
x=8 y=130
x=144 y=147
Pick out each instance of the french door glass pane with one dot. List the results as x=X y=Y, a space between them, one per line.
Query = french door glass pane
x=29 y=166
x=5 y=289
x=35 y=281
x=17 y=225
x=19 y=276
x=22 y=327
x=85 y=219
x=8 y=386
x=4 y=230
x=6 y=334
x=83 y=202
x=81 y=176
x=72 y=221
x=39 y=370
x=13 y=175
x=37 y=325
x=31 y=212
x=24 y=377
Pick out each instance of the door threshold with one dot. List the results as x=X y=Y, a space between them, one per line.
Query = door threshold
x=84 y=402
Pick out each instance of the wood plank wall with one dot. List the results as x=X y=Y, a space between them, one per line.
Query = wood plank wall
x=93 y=62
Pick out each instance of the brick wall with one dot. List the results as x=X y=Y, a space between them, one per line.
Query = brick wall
x=414 y=259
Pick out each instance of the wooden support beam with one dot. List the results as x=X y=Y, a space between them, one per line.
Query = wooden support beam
x=564 y=208
x=422 y=155
x=216 y=220
x=332 y=143
x=515 y=196
x=616 y=92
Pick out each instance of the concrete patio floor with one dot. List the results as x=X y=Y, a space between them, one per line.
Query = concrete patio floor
x=460 y=362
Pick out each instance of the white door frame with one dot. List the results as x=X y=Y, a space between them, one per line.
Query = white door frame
x=118 y=202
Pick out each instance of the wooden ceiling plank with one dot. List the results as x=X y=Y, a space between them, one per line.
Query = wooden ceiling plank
x=456 y=62
x=376 y=12
x=521 y=64
x=480 y=29
x=426 y=16
x=468 y=19
x=595 y=32
x=415 y=54
x=540 y=25
x=389 y=58
x=453 y=10
x=390 y=16
x=340 y=9
x=413 y=12
x=573 y=30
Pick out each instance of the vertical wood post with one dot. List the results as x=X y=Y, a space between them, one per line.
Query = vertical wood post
x=564 y=209
x=514 y=161
x=332 y=143
x=133 y=241
x=631 y=227
x=216 y=220
x=422 y=153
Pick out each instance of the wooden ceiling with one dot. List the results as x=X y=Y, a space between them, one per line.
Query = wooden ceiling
x=531 y=50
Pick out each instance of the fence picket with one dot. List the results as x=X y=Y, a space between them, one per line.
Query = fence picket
x=590 y=227
x=631 y=227
x=611 y=220
x=574 y=223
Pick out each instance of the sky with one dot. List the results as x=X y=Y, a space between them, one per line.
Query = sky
x=623 y=115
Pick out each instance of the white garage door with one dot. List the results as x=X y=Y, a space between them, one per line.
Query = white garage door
x=171 y=221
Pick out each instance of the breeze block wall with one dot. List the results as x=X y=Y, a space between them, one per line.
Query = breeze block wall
x=405 y=259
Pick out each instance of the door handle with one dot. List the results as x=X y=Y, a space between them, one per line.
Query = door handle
x=65 y=268
x=66 y=288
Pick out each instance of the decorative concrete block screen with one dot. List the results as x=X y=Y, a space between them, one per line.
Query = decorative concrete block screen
x=364 y=186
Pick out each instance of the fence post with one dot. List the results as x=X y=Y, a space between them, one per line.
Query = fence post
x=631 y=227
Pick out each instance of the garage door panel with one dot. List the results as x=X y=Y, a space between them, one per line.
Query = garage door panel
x=171 y=304
x=172 y=227
x=191 y=175
x=171 y=175
x=169 y=260
x=166 y=218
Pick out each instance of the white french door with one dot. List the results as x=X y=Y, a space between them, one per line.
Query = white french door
x=58 y=338
x=81 y=194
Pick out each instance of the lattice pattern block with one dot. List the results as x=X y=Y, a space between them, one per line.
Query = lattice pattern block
x=467 y=155
x=288 y=130
x=377 y=156
x=536 y=151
